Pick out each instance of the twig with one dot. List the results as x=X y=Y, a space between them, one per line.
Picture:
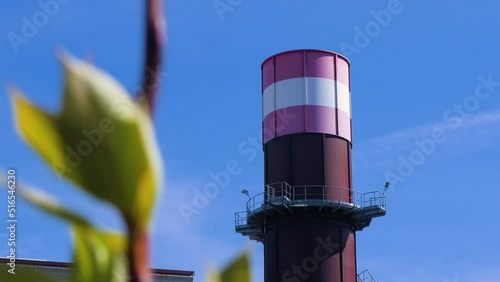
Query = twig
x=155 y=33
x=138 y=240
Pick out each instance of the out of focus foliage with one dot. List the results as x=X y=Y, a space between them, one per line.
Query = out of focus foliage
x=104 y=143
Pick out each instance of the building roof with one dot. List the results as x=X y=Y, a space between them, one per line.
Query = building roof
x=44 y=263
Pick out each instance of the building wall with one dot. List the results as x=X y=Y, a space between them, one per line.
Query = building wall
x=62 y=271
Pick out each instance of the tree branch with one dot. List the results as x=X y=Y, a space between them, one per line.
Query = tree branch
x=138 y=238
x=155 y=33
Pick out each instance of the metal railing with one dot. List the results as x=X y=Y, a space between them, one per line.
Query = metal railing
x=326 y=193
x=240 y=218
x=373 y=199
x=366 y=276
x=282 y=193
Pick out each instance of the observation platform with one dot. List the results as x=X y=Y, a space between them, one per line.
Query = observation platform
x=280 y=200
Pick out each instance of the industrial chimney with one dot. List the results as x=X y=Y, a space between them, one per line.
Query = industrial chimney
x=308 y=214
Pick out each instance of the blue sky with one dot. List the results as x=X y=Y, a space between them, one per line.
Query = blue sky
x=412 y=75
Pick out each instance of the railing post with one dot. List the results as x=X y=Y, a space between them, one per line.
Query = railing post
x=339 y=197
x=323 y=195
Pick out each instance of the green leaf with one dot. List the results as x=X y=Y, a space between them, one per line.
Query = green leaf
x=99 y=256
x=38 y=129
x=101 y=140
x=51 y=206
x=237 y=270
